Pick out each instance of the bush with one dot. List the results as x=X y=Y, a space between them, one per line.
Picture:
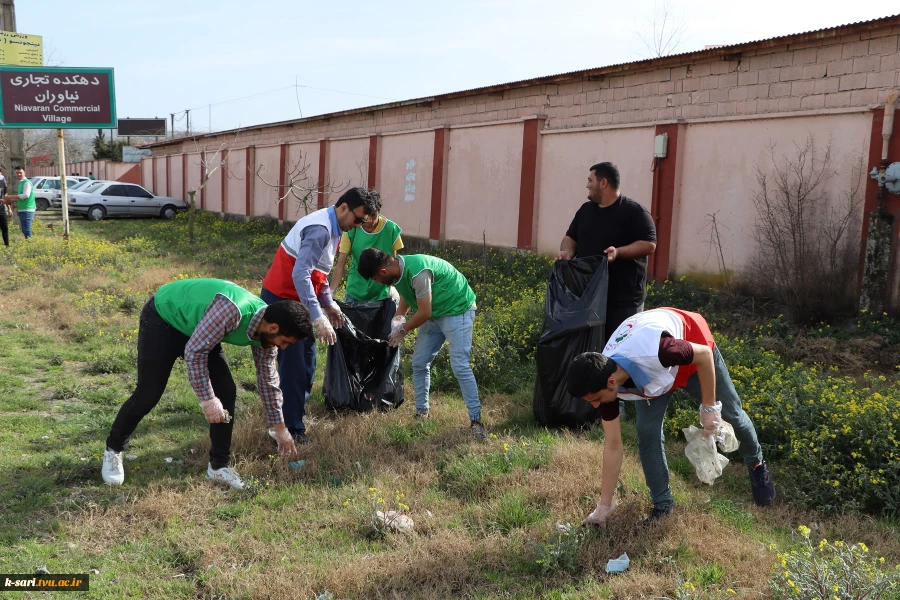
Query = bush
x=512 y=510
x=833 y=571
x=839 y=440
x=561 y=552
x=470 y=476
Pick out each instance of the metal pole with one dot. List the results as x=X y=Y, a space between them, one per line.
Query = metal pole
x=62 y=183
x=172 y=132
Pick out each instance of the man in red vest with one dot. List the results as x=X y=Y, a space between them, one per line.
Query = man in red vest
x=649 y=356
x=299 y=272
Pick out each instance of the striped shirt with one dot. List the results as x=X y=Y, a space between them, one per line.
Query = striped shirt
x=221 y=318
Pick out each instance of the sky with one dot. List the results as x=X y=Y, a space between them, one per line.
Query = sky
x=297 y=58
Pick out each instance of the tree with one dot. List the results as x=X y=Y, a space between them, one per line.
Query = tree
x=663 y=33
x=219 y=160
x=806 y=255
x=300 y=185
x=107 y=150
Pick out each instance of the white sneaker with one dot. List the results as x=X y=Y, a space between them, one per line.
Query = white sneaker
x=225 y=475
x=113 y=470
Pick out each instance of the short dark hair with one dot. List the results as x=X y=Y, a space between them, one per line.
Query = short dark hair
x=291 y=317
x=358 y=196
x=371 y=260
x=589 y=373
x=18 y=168
x=609 y=172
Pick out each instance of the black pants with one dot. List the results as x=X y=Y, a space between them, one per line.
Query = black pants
x=615 y=315
x=4 y=225
x=159 y=346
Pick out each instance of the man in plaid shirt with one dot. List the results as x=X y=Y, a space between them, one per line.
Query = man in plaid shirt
x=192 y=318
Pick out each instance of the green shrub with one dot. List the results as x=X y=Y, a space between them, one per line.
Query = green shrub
x=838 y=439
x=513 y=510
x=833 y=571
x=560 y=553
x=470 y=475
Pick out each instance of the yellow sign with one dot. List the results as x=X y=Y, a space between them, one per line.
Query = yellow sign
x=21 y=49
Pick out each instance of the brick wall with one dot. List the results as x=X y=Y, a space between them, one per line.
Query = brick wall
x=842 y=71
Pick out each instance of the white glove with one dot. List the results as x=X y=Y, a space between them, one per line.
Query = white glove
x=396 y=337
x=395 y=295
x=335 y=315
x=600 y=515
x=213 y=411
x=397 y=322
x=285 y=441
x=324 y=330
x=711 y=418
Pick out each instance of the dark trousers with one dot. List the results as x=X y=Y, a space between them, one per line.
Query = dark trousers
x=615 y=315
x=4 y=225
x=296 y=370
x=159 y=346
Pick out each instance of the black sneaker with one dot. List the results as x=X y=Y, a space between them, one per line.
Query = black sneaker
x=423 y=415
x=657 y=514
x=300 y=438
x=478 y=431
x=761 y=484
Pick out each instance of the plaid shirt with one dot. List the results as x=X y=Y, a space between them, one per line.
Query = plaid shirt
x=221 y=318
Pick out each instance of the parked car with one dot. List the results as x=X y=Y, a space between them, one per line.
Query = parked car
x=56 y=201
x=45 y=188
x=104 y=199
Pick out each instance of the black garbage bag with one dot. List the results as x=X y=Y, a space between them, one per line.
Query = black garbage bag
x=361 y=371
x=574 y=319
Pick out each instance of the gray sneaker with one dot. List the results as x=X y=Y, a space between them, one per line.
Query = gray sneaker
x=478 y=431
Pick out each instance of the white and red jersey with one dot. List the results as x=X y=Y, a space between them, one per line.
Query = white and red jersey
x=279 y=279
x=634 y=346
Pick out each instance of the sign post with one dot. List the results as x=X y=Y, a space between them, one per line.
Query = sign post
x=62 y=183
x=57 y=98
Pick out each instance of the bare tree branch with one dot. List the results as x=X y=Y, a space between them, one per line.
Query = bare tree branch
x=664 y=32
x=299 y=184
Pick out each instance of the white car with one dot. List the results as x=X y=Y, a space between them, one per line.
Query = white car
x=56 y=201
x=47 y=186
x=104 y=199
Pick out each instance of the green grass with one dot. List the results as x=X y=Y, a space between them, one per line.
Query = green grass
x=485 y=513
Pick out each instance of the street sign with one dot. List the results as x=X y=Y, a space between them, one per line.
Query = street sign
x=132 y=154
x=57 y=98
x=137 y=127
x=21 y=49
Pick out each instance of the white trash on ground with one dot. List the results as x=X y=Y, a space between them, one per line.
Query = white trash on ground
x=395 y=520
x=701 y=450
x=618 y=565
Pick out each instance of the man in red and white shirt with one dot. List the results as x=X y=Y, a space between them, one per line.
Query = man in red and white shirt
x=648 y=357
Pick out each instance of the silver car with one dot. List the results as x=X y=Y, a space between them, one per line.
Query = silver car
x=104 y=199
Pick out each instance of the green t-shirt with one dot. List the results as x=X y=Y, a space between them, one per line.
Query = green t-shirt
x=369 y=290
x=25 y=204
x=450 y=292
x=183 y=303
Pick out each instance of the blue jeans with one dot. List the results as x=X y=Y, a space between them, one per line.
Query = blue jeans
x=650 y=435
x=457 y=330
x=25 y=219
x=296 y=369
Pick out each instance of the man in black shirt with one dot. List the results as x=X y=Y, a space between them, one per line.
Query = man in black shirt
x=617 y=226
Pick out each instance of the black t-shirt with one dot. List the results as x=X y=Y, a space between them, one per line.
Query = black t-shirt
x=623 y=222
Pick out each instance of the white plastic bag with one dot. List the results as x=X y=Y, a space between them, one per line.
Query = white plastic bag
x=701 y=450
x=395 y=520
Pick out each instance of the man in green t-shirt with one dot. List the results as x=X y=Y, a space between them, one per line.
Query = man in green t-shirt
x=378 y=232
x=445 y=311
x=24 y=199
x=191 y=318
